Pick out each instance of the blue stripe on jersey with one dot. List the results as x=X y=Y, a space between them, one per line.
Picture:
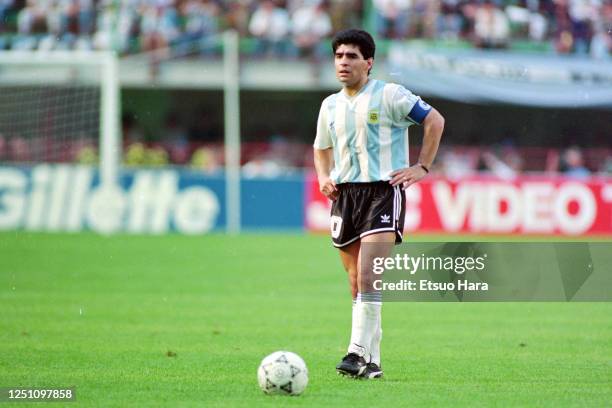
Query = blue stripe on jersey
x=398 y=154
x=373 y=143
x=331 y=117
x=351 y=141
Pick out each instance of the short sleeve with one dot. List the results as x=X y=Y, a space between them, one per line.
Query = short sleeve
x=408 y=108
x=323 y=139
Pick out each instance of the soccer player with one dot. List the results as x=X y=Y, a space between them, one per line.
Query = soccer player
x=361 y=159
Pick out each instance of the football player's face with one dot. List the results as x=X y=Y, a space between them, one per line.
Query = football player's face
x=351 y=67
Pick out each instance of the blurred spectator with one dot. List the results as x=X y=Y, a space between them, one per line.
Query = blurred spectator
x=107 y=36
x=57 y=19
x=392 y=17
x=175 y=139
x=86 y=16
x=564 y=39
x=526 y=20
x=491 y=26
x=572 y=164
x=345 y=13
x=29 y=18
x=132 y=133
x=156 y=156
x=581 y=13
x=450 y=20
x=423 y=18
x=601 y=43
x=205 y=159
x=270 y=26
x=468 y=10
x=159 y=25
x=507 y=167
x=5 y=7
x=135 y=155
x=278 y=160
x=538 y=26
x=200 y=27
x=237 y=16
x=456 y=164
x=138 y=154
x=81 y=148
x=87 y=155
x=311 y=24
x=262 y=167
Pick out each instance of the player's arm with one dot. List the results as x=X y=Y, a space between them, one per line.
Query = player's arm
x=324 y=155
x=409 y=109
x=433 y=126
x=324 y=162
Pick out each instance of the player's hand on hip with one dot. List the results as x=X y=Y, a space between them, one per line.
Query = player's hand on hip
x=407 y=176
x=328 y=188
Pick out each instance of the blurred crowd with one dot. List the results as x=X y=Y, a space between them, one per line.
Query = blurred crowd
x=281 y=27
x=570 y=26
x=290 y=28
x=508 y=162
x=454 y=162
x=280 y=156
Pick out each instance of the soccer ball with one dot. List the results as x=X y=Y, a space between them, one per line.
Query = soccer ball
x=283 y=372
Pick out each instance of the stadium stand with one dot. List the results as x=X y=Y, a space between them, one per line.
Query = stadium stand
x=279 y=27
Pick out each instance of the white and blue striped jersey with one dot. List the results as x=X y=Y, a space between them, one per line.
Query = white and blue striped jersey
x=369 y=131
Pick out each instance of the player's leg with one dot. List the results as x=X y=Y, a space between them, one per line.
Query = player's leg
x=346 y=239
x=379 y=231
x=373 y=367
x=351 y=364
x=372 y=246
x=379 y=245
x=367 y=309
x=350 y=256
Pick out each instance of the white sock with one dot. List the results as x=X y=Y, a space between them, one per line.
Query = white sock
x=355 y=322
x=354 y=318
x=375 y=346
x=367 y=316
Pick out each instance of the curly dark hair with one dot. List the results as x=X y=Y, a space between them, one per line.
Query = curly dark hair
x=360 y=38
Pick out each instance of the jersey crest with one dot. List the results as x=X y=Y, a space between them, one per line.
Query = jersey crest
x=373 y=117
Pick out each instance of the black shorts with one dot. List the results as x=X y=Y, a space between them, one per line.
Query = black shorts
x=367 y=208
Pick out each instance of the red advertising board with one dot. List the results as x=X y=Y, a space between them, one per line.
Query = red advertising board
x=485 y=205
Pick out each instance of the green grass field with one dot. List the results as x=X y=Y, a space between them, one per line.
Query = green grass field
x=185 y=321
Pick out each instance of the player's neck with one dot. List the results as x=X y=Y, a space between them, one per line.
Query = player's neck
x=354 y=90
